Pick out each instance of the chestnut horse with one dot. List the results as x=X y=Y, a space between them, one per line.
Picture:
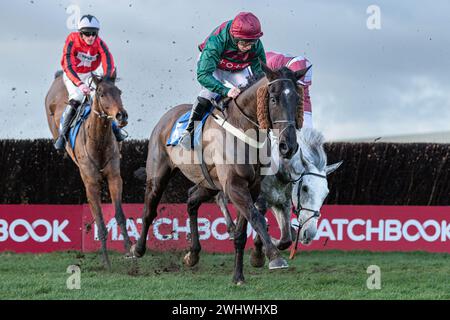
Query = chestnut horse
x=270 y=103
x=97 y=152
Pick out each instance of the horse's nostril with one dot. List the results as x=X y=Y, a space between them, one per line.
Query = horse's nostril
x=119 y=116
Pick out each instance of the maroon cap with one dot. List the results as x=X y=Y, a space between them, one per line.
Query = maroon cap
x=246 y=26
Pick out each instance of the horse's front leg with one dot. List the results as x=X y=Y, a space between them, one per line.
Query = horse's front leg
x=93 y=189
x=239 y=194
x=282 y=213
x=115 y=190
x=239 y=245
x=257 y=257
x=197 y=195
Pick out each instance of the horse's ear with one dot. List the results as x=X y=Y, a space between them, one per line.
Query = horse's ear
x=301 y=73
x=303 y=160
x=270 y=74
x=96 y=79
x=332 y=167
x=113 y=77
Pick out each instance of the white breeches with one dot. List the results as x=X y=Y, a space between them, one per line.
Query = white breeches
x=74 y=92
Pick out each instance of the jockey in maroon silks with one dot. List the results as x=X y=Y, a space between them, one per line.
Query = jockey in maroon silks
x=84 y=53
x=229 y=55
x=276 y=60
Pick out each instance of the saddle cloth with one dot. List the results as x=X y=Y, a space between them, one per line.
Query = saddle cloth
x=181 y=124
x=80 y=117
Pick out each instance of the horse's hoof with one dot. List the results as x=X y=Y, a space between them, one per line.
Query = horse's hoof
x=239 y=281
x=257 y=260
x=129 y=255
x=191 y=259
x=278 y=263
x=134 y=253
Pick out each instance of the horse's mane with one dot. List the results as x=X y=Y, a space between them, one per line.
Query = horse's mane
x=311 y=143
x=282 y=73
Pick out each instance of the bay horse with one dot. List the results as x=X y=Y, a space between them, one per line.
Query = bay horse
x=272 y=102
x=97 y=152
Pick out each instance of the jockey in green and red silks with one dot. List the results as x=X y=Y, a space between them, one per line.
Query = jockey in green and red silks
x=84 y=53
x=229 y=55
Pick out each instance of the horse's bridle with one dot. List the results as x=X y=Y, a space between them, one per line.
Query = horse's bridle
x=316 y=213
x=102 y=114
x=300 y=181
x=289 y=122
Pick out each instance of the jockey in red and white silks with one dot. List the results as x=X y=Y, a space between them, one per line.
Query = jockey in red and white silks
x=84 y=53
x=276 y=60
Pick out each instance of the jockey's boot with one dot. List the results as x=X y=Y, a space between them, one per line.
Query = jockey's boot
x=118 y=132
x=199 y=109
x=69 y=113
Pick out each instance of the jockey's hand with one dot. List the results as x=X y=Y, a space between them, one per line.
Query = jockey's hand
x=233 y=93
x=85 y=89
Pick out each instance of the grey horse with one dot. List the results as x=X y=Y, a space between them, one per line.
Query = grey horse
x=301 y=182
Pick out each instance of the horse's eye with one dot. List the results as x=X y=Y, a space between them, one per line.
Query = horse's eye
x=273 y=100
x=305 y=189
x=102 y=95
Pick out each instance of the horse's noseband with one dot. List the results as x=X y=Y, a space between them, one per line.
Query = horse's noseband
x=316 y=213
x=102 y=115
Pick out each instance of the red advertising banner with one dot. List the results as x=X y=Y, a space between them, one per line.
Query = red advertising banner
x=170 y=229
x=384 y=228
x=32 y=228
x=40 y=228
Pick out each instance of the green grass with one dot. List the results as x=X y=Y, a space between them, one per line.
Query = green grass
x=312 y=275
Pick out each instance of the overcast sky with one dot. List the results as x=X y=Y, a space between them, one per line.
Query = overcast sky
x=381 y=82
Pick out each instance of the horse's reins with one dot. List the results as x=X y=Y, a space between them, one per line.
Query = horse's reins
x=316 y=213
x=238 y=107
x=103 y=114
x=289 y=122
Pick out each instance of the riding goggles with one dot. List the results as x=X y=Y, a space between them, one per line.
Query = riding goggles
x=244 y=42
x=89 y=34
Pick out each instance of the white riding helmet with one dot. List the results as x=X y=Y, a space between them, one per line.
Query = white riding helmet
x=88 y=22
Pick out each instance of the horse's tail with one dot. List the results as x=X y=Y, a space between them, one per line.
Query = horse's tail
x=140 y=174
x=58 y=73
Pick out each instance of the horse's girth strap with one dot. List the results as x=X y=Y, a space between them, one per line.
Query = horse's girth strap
x=205 y=170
